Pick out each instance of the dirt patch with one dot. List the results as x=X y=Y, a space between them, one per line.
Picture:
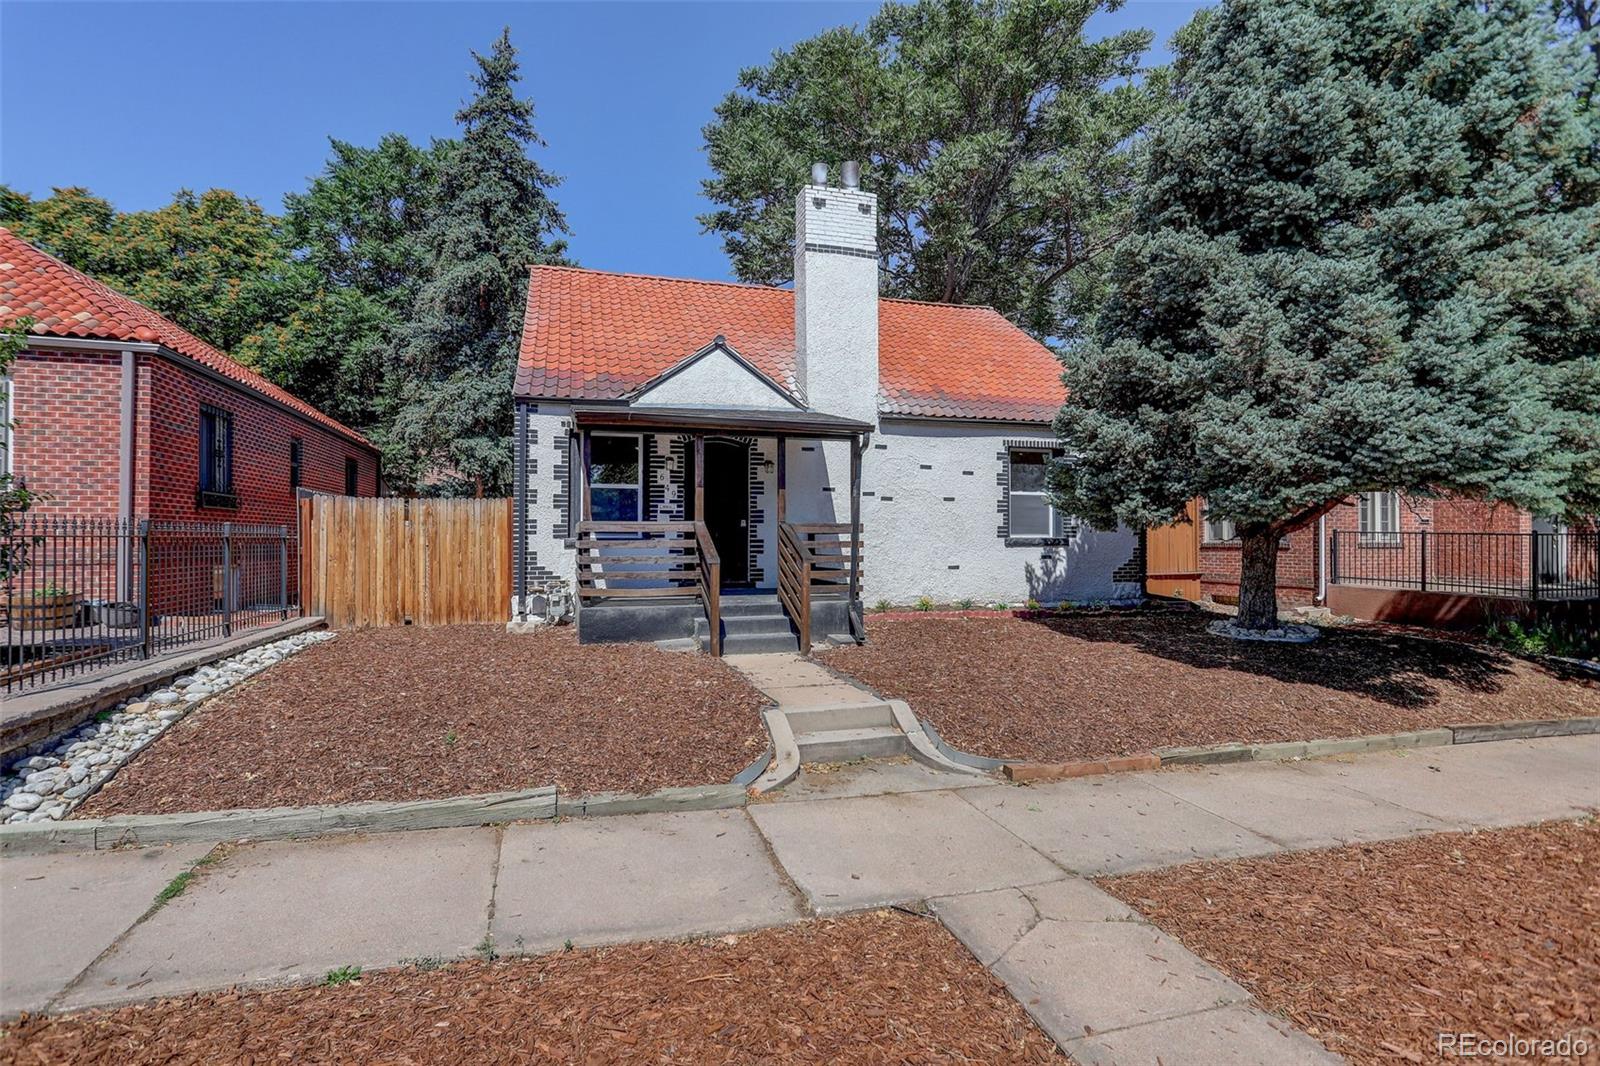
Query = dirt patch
x=397 y=714
x=1092 y=685
x=1376 y=949
x=870 y=989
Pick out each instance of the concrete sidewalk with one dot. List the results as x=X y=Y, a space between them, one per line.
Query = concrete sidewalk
x=1000 y=864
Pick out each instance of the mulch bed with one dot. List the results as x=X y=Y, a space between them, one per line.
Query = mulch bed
x=413 y=713
x=870 y=989
x=1097 y=684
x=1376 y=949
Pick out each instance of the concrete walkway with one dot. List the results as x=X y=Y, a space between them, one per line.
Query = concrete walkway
x=1001 y=865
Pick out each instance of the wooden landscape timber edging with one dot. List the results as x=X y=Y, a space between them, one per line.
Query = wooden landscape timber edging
x=1215 y=754
x=278 y=823
x=389 y=561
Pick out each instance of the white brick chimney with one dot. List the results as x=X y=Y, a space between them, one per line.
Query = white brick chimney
x=836 y=297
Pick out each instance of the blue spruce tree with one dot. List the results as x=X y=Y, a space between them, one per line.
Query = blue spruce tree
x=1364 y=258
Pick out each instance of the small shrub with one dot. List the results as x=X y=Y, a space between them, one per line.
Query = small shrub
x=1033 y=604
x=342 y=976
x=883 y=605
x=1544 y=637
x=1002 y=607
x=924 y=603
x=450 y=739
x=965 y=605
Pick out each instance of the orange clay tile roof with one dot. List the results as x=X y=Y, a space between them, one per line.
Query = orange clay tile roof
x=591 y=335
x=63 y=302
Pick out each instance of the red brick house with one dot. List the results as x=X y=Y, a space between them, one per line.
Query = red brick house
x=119 y=412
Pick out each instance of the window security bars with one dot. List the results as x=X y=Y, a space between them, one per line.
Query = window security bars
x=1531 y=566
x=86 y=594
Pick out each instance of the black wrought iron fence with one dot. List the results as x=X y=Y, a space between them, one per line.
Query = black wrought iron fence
x=84 y=594
x=1533 y=566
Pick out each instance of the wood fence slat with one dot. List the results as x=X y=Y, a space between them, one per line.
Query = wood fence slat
x=385 y=562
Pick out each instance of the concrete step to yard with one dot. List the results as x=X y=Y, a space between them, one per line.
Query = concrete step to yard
x=734 y=643
x=842 y=745
x=853 y=716
x=751 y=624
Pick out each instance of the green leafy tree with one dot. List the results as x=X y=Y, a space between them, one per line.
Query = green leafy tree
x=356 y=237
x=994 y=133
x=214 y=263
x=452 y=417
x=1364 y=258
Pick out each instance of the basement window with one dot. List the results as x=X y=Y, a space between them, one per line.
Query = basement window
x=216 y=459
x=615 y=489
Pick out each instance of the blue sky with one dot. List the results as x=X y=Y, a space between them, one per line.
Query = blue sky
x=162 y=96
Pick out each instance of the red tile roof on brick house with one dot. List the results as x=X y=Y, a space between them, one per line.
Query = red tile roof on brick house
x=63 y=302
x=592 y=335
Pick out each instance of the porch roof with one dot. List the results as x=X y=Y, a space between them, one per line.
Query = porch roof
x=758 y=421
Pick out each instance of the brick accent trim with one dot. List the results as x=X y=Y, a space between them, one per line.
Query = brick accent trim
x=839 y=249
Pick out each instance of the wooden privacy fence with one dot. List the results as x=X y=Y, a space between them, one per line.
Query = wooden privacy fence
x=388 y=562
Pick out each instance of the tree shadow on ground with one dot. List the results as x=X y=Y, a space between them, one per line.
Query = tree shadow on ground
x=1393 y=668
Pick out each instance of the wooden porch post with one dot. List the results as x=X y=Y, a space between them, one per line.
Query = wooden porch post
x=699 y=477
x=587 y=511
x=783 y=479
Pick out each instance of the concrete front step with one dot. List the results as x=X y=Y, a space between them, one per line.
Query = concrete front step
x=868 y=715
x=842 y=745
x=734 y=643
x=751 y=624
x=738 y=606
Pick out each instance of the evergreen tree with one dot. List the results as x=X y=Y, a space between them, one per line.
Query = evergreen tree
x=356 y=235
x=1364 y=258
x=995 y=133
x=452 y=418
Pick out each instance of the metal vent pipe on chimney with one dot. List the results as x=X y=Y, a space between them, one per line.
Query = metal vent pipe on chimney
x=819 y=173
x=850 y=174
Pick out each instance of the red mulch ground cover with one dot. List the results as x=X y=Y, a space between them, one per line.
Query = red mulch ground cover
x=1090 y=685
x=412 y=713
x=1376 y=949
x=875 y=988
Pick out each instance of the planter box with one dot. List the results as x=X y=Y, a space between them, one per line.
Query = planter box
x=44 y=612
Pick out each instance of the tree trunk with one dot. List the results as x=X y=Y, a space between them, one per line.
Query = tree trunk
x=1258 y=579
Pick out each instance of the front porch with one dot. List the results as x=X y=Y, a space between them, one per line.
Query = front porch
x=692 y=525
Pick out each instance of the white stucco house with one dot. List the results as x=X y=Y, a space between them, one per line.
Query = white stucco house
x=750 y=464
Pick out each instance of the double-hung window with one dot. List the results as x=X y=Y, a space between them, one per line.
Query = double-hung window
x=1380 y=519
x=1220 y=530
x=615 y=486
x=1030 y=514
x=216 y=458
x=352 y=477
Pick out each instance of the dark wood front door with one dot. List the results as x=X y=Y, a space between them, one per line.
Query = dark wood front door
x=727 y=517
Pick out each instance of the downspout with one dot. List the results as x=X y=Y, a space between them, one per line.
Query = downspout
x=125 y=478
x=1322 y=561
x=519 y=523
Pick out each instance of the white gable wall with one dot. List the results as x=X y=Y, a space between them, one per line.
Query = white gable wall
x=716 y=379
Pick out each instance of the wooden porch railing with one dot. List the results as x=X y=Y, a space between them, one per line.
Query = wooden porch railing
x=658 y=559
x=805 y=562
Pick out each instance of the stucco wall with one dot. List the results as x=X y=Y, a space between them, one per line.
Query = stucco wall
x=932 y=524
x=716 y=379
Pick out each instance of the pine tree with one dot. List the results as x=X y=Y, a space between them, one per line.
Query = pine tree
x=452 y=403
x=1364 y=258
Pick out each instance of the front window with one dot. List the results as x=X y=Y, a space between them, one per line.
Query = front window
x=216 y=451
x=1380 y=518
x=1031 y=512
x=615 y=489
